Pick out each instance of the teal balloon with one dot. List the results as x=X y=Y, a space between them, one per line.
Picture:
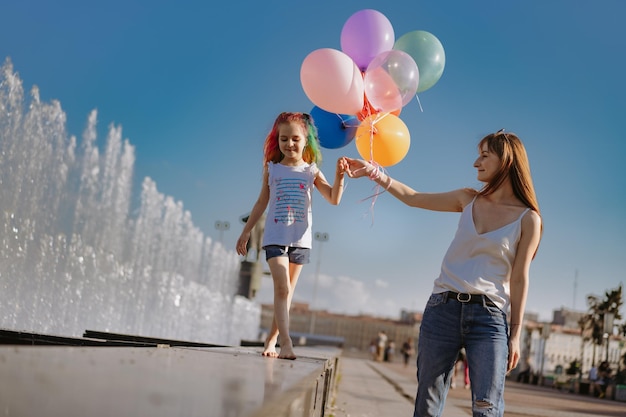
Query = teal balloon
x=428 y=53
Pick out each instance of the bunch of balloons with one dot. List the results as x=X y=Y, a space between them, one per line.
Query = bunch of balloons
x=360 y=90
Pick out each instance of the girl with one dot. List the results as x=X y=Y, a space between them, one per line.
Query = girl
x=291 y=155
x=484 y=274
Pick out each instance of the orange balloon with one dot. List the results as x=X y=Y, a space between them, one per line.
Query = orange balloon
x=383 y=138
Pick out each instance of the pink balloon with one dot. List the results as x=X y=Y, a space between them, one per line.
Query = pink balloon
x=391 y=80
x=332 y=81
x=381 y=90
x=366 y=34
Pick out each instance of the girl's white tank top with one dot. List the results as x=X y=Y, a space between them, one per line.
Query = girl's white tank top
x=289 y=219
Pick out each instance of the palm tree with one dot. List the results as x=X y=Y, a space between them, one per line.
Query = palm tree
x=594 y=323
x=599 y=308
x=585 y=324
x=613 y=302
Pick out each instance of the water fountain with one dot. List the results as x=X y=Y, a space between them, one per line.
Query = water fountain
x=74 y=254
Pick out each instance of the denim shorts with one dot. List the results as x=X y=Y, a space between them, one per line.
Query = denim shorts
x=296 y=255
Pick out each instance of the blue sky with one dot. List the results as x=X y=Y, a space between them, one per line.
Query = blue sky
x=196 y=87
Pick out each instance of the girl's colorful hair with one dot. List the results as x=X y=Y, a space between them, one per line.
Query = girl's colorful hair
x=312 y=151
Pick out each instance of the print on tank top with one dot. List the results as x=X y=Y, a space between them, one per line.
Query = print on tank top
x=290 y=201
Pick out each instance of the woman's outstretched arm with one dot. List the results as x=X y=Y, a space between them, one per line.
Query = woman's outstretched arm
x=453 y=200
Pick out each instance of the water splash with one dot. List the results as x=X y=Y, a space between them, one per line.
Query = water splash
x=75 y=256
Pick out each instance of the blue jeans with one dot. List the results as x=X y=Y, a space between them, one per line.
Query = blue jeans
x=447 y=326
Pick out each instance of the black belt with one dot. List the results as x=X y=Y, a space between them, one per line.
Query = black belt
x=469 y=298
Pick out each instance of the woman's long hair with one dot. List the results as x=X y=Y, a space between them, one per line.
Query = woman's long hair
x=513 y=164
x=312 y=152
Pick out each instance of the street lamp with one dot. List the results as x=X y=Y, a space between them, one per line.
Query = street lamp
x=545 y=335
x=222 y=226
x=608 y=331
x=320 y=237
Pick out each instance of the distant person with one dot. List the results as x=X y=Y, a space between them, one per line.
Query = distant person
x=374 y=349
x=602 y=380
x=407 y=351
x=390 y=351
x=381 y=344
x=620 y=377
x=484 y=273
x=593 y=379
x=461 y=362
x=290 y=171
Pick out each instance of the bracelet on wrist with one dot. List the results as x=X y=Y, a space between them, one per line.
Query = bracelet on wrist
x=389 y=184
x=374 y=174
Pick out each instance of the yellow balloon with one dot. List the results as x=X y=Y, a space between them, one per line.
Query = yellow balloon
x=383 y=138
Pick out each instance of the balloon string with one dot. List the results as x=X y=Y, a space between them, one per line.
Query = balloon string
x=372 y=123
x=377 y=166
x=419 y=102
x=378 y=118
x=376 y=188
x=343 y=122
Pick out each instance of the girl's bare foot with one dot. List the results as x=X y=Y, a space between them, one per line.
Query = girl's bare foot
x=287 y=354
x=286 y=351
x=270 y=348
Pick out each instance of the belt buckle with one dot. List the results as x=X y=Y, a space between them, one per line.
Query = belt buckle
x=463 y=300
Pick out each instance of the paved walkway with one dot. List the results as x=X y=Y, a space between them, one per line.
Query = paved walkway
x=372 y=389
x=366 y=388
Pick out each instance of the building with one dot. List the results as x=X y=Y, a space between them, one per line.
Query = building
x=358 y=332
x=551 y=348
x=567 y=318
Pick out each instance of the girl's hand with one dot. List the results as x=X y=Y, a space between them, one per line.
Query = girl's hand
x=342 y=166
x=242 y=244
x=358 y=168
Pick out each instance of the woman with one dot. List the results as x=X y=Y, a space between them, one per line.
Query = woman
x=484 y=275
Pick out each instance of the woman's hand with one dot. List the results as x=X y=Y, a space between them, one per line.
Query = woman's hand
x=514 y=354
x=357 y=168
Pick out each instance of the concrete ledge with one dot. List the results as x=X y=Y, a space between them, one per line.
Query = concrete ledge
x=164 y=381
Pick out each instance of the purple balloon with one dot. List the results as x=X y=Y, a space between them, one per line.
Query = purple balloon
x=366 y=34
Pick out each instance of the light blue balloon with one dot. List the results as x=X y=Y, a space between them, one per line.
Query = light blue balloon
x=428 y=53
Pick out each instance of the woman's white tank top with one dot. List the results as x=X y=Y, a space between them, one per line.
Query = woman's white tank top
x=480 y=263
